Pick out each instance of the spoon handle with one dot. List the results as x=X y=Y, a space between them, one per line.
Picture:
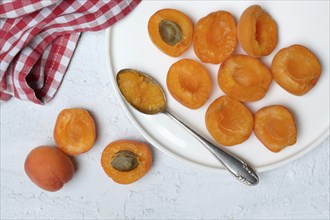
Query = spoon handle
x=233 y=164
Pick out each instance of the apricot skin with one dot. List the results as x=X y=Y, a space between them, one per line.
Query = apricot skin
x=189 y=83
x=275 y=127
x=49 y=168
x=74 y=131
x=228 y=121
x=144 y=157
x=296 y=69
x=257 y=31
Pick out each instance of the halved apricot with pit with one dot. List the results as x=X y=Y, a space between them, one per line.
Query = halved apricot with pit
x=257 y=31
x=74 y=131
x=189 y=83
x=275 y=127
x=296 y=69
x=171 y=31
x=126 y=161
x=215 y=37
x=244 y=78
x=229 y=121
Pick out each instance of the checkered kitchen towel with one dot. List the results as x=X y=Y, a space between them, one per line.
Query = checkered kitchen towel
x=38 y=38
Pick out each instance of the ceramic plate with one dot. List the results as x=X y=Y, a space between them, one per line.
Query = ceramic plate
x=299 y=22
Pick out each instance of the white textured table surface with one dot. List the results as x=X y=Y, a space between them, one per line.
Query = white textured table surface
x=171 y=190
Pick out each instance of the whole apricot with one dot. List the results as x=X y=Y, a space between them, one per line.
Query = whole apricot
x=49 y=168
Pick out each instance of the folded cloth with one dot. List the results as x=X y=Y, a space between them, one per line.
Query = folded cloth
x=38 y=38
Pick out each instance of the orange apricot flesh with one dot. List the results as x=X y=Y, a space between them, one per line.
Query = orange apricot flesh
x=257 y=31
x=228 y=121
x=189 y=83
x=275 y=127
x=171 y=31
x=244 y=78
x=215 y=37
x=49 y=168
x=296 y=69
x=141 y=91
x=126 y=161
x=74 y=131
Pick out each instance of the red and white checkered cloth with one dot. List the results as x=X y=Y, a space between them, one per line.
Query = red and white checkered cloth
x=38 y=38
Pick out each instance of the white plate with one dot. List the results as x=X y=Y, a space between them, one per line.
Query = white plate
x=307 y=23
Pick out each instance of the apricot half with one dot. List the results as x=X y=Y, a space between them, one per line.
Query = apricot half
x=49 y=168
x=189 y=83
x=296 y=69
x=215 y=37
x=228 y=121
x=244 y=78
x=257 y=31
x=171 y=31
x=275 y=127
x=126 y=161
x=74 y=131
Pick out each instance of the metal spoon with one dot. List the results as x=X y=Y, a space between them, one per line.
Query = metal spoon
x=238 y=168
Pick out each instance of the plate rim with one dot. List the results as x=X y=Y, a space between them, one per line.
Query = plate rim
x=159 y=146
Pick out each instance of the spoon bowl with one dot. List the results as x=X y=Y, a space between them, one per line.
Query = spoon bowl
x=139 y=90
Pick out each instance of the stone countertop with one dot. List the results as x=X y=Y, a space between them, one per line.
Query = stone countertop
x=171 y=190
